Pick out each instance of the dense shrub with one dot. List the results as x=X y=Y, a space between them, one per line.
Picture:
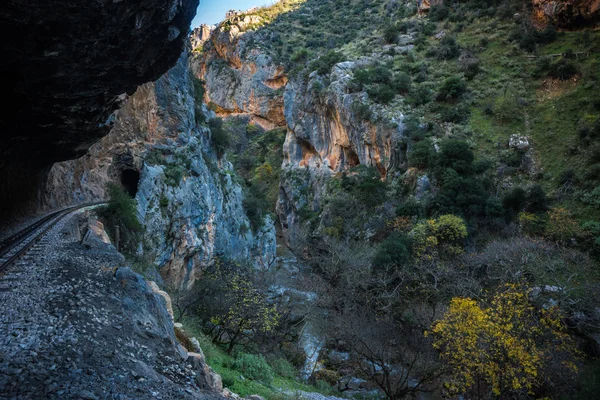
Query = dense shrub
x=173 y=174
x=528 y=37
x=410 y=208
x=447 y=49
x=283 y=367
x=507 y=109
x=254 y=367
x=365 y=184
x=324 y=63
x=469 y=65
x=457 y=155
x=393 y=251
x=421 y=94
x=537 y=201
x=458 y=195
x=362 y=111
x=219 y=136
x=300 y=55
x=456 y=114
x=562 y=69
x=121 y=208
x=420 y=154
x=441 y=237
x=514 y=201
x=439 y=12
x=390 y=33
x=380 y=83
x=452 y=88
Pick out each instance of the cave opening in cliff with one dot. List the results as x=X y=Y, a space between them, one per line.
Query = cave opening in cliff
x=130 y=178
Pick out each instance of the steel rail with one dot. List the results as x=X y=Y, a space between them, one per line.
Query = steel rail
x=30 y=235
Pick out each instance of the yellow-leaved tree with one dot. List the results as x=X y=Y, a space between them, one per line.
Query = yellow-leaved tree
x=443 y=236
x=502 y=347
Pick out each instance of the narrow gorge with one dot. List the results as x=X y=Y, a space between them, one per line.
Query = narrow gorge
x=311 y=199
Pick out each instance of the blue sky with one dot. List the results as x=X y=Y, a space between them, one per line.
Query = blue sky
x=213 y=11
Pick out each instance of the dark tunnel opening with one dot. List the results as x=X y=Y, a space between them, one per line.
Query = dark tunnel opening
x=130 y=178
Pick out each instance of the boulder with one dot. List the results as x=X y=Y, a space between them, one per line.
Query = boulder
x=96 y=237
x=518 y=142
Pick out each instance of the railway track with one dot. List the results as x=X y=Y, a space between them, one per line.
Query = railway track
x=17 y=245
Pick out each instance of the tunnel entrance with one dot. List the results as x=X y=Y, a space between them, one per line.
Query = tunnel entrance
x=130 y=178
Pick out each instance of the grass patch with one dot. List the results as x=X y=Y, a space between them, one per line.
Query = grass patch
x=237 y=371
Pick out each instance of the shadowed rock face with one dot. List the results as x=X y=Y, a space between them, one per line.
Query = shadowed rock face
x=567 y=13
x=64 y=65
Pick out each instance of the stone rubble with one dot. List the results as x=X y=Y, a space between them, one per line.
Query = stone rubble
x=77 y=324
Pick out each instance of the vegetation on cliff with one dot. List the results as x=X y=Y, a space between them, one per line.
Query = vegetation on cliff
x=488 y=215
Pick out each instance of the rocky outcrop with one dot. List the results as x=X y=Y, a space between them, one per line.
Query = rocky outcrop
x=567 y=13
x=64 y=66
x=241 y=79
x=189 y=204
x=326 y=137
x=200 y=35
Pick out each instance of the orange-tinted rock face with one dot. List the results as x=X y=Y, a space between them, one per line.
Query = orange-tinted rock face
x=187 y=221
x=238 y=79
x=571 y=14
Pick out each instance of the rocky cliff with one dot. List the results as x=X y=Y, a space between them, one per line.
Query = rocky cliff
x=187 y=201
x=65 y=65
x=568 y=13
x=239 y=78
x=325 y=136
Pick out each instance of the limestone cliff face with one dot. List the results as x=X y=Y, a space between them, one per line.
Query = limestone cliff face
x=325 y=136
x=567 y=13
x=190 y=207
x=241 y=79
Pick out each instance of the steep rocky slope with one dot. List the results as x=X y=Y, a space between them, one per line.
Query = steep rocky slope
x=77 y=324
x=189 y=204
x=240 y=79
x=325 y=135
x=64 y=67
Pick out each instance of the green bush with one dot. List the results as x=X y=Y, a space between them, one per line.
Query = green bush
x=410 y=208
x=122 y=207
x=173 y=174
x=507 y=109
x=283 y=367
x=537 y=201
x=452 y=88
x=324 y=63
x=457 y=155
x=380 y=83
x=300 y=55
x=395 y=250
x=365 y=184
x=514 y=201
x=421 y=154
x=447 y=49
x=254 y=367
x=219 y=136
x=362 y=111
x=256 y=205
x=390 y=33
x=528 y=37
x=563 y=69
x=381 y=93
x=421 y=95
